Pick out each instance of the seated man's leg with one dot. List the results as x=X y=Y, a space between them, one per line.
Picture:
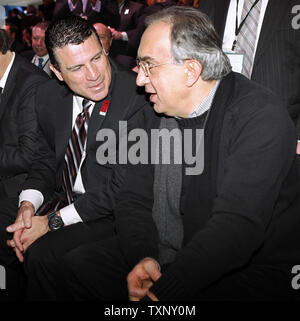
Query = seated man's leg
x=14 y=275
x=95 y=271
x=43 y=256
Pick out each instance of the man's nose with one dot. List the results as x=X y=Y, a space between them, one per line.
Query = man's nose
x=141 y=79
x=92 y=72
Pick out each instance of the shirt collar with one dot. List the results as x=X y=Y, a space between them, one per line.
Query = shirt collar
x=206 y=103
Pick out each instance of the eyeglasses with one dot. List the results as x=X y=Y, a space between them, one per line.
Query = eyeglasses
x=147 y=66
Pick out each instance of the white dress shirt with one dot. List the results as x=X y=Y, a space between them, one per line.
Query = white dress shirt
x=5 y=75
x=46 y=63
x=229 y=32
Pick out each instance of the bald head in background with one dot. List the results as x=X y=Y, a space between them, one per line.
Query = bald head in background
x=105 y=35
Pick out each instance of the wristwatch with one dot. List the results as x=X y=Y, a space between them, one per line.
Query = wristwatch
x=55 y=222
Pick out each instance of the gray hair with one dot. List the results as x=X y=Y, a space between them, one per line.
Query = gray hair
x=194 y=37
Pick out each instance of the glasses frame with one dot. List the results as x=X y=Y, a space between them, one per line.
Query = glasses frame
x=146 y=68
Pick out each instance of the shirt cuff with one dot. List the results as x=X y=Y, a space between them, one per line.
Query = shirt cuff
x=124 y=36
x=33 y=196
x=71 y=6
x=97 y=6
x=69 y=215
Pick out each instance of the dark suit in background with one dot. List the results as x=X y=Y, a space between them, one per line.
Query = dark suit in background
x=277 y=58
x=125 y=51
x=108 y=14
x=18 y=136
x=18 y=125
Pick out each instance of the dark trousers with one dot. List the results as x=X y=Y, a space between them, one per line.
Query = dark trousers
x=98 y=271
x=43 y=258
x=14 y=275
x=95 y=271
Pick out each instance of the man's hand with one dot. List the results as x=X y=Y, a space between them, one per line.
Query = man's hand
x=38 y=229
x=25 y=213
x=23 y=220
x=141 y=278
x=117 y=35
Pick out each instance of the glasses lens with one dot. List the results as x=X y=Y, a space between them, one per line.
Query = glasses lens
x=144 y=67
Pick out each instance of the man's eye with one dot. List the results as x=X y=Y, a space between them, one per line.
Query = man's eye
x=76 y=68
x=97 y=57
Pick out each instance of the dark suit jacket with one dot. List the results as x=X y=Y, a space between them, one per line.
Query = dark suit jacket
x=124 y=52
x=18 y=124
x=108 y=14
x=54 y=109
x=277 y=58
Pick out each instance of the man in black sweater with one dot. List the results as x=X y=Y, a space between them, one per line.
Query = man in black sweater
x=223 y=227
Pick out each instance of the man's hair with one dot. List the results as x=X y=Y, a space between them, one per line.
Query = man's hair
x=4 y=42
x=71 y=30
x=194 y=37
x=12 y=27
x=42 y=25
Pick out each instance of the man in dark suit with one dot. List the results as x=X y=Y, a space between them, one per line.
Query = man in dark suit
x=105 y=11
x=70 y=167
x=222 y=227
x=18 y=134
x=127 y=36
x=276 y=61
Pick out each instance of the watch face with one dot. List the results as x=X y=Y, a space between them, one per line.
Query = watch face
x=55 y=222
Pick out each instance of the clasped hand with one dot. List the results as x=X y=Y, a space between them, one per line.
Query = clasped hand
x=27 y=229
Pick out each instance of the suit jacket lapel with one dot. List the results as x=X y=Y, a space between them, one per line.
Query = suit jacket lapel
x=9 y=86
x=275 y=9
x=95 y=123
x=63 y=127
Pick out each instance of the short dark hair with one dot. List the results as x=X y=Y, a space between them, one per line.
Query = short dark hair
x=42 y=25
x=12 y=27
x=71 y=30
x=4 y=42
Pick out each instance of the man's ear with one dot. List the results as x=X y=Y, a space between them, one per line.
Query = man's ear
x=193 y=72
x=57 y=72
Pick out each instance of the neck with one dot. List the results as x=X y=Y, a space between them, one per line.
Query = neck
x=198 y=94
x=5 y=60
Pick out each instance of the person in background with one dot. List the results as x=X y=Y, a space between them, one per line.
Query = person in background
x=267 y=41
x=127 y=35
x=12 y=32
x=105 y=36
x=19 y=80
x=41 y=56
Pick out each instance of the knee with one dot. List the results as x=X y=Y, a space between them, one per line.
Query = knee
x=36 y=256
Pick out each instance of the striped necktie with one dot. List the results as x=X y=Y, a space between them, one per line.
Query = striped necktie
x=247 y=37
x=75 y=149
